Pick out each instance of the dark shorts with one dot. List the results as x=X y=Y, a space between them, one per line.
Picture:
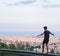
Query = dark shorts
x=45 y=41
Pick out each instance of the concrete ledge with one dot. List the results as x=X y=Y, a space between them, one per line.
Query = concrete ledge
x=25 y=52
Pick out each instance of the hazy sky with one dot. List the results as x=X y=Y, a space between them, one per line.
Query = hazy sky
x=29 y=15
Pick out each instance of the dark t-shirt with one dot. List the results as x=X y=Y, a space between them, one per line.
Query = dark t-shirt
x=46 y=34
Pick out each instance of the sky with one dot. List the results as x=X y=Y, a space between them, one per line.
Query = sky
x=29 y=15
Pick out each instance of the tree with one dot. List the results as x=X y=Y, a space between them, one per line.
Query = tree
x=3 y=45
x=12 y=46
x=52 y=51
x=20 y=46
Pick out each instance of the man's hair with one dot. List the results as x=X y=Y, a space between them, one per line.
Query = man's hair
x=45 y=27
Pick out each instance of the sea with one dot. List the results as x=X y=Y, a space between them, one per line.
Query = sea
x=32 y=33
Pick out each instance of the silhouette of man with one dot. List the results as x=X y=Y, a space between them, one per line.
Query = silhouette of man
x=46 y=34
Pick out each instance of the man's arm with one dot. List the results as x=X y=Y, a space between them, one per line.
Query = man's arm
x=40 y=34
x=51 y=33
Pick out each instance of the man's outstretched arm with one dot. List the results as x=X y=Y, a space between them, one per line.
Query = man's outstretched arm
x=40 y=34
x=51 y=33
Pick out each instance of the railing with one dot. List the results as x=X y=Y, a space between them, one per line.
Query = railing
x=23 y=53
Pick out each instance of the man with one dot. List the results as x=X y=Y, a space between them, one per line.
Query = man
x=46 y=34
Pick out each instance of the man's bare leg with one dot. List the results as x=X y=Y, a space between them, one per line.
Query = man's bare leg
x=42 y=48
x=47 y=48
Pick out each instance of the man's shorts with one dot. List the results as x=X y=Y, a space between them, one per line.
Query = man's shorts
x=45 y=41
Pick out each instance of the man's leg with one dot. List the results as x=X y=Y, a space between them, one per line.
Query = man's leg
x=42 y=47
x=47 y=47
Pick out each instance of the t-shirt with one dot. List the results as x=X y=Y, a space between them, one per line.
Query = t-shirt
x=46 y=34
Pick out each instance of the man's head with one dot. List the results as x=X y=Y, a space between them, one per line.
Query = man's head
x=45 y=27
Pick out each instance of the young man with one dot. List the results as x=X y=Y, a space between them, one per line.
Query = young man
x=46 y=34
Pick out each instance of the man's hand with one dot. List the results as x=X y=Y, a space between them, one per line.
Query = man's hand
x=37 y=35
